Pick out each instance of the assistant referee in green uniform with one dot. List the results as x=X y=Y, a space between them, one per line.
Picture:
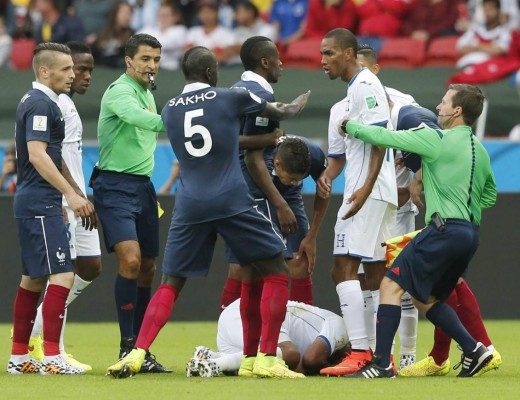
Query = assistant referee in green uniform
x=124 y=196
x=458 y=184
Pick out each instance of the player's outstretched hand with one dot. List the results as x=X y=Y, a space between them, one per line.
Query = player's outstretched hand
x=357 y=200
x=81 y=207
x=324 y=186
x=308 y=250
x=288 y=224
x=301 y=100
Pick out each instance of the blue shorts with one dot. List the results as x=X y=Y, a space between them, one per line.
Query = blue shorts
x=44 y=246
x=127 y=208
x=189 y=248
x=432 y=263
x=292 y=242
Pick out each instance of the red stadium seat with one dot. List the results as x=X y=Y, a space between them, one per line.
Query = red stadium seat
x=442 y=51
x=402 y=52
x=22 y=53
x=303 y=53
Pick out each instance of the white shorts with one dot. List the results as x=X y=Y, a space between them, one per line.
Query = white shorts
x=83 y=243
x=405 y=222
x=361 y=235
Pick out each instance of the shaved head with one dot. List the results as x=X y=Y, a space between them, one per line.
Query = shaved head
x=344 y=39
x=196 y=62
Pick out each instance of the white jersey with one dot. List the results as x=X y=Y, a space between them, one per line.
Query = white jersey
x=72 y=146
x=366 y=103
x=403 y=175
x=220 y=37
x=303 y=324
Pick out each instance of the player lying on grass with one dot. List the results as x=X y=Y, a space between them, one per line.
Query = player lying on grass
x=310 y=338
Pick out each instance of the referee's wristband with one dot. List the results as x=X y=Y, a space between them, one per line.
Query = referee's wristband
x=344 y=126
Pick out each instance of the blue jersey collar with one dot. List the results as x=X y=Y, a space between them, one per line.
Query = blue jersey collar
x=254 y=77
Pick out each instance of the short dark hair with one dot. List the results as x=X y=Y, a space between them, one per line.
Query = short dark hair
x=40 y=57
x=294 y=156
x=133 y=43
x=344 y=39
x=253 y=50
x=196 y=61
x=77 y=47
x=495 y=2
x=470 y=98
x=248 y=5
x=368 y=51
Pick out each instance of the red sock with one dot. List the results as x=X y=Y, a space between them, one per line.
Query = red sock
x=301 y=290
x=53 y=311
x=441 y=342
x=24 y=314
x=157 y=315
x=230 y=293
x=250 y=298
x=469 y=314
x=273 y=308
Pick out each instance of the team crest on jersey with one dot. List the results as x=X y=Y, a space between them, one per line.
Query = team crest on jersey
x=60 y=256
x=40 y=123
x=262 y=121
x=371 y=102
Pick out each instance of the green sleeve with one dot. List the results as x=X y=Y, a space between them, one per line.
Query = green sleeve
x=122 y=100
x=425 y=142
x=489 y=194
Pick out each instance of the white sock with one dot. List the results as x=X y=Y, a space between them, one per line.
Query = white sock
x=77 y=288
x=352 y=309
x=369 y=318
x=408 y=326
x=38 y=322
x=229 y=362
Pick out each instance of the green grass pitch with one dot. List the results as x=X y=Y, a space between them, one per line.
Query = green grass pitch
x=96 y=344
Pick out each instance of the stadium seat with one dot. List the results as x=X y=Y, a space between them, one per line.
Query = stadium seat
x=441 y=51
x=22 y=53
x=402 y=52
x=303 y=53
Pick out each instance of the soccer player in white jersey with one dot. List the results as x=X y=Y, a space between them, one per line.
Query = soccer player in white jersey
x=405 y=214
x=311 y=338
x=84 y=243
x=367 y=215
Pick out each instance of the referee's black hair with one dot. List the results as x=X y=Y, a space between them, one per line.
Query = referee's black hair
x=133 y=43
x=470 y=98
x=294 y=156
x=368 y=52
x=344 y=39
x=253 y=50
x=77 y=47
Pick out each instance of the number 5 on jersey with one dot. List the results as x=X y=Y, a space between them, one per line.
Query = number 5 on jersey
x=190 y=130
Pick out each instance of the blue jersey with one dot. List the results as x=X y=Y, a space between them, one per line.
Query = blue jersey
x=411 y=117
x=38 y=118
x=318 y=165
x=252 y=125
x=203 y=125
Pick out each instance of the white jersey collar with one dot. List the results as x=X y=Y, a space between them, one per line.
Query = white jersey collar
x=192 y=87
x=45 y=89
x=254 y=77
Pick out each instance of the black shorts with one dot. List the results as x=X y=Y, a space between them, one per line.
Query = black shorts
x=127 y=208
x=432 y=263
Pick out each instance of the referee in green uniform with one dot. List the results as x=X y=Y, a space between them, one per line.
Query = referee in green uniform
x=124 y=196
x=458 y=184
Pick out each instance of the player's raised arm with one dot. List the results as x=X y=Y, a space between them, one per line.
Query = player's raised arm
x=279 y=111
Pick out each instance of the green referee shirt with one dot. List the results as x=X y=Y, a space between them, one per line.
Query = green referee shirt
x=127 y=128
x=447 y=160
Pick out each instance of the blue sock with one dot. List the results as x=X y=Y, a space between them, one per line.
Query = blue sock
x=126 y=298
x=446 y=318
x=388 y=318
x=143 y=298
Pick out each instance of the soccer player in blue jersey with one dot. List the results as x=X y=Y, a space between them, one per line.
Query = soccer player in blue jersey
x=203 y=126
x=40 y=130
x=282 y=202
